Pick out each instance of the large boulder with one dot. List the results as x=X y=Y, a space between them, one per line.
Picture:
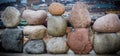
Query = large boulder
x=56 y=26
x=107 y=23
x=34 y=47
x=79 y=41
x=79 y=16
x=106 y=43
x=57 y=45
x=35 y=32
x=12 y=40
x=34 y=17
x=56 y=9
x=10 y=17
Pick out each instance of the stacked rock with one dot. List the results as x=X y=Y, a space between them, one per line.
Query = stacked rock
x=56 y=27
x=79 y=39
x=11 y=37
x=34 y=31
x=106 y=41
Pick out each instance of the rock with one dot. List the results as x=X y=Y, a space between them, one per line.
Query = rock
x=57 y=45
x=25 y=39
x=79 y=16
x=79 y=41
x=34 y=17
x=56 y=9
x=35 y=32
x=106 y=43
x=12 y=40
x=107 y=23
x=56 y=26
x=10 y=17
x=34 y=47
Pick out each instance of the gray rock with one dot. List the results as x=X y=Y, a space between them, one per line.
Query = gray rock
x=34 y=47
x=12 y=40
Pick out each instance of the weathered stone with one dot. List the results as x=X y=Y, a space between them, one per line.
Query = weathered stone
x=34 y=17
x=56 y=9
x=106 y=43
x=79 y=17
x=56 y=26
x=12 y=40
x=57 y=45
x=35 y=32
x=107 y=23
x=10 y=17
x=79 y=41
x=34 y=47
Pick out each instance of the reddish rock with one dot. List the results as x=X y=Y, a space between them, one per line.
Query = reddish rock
x=107 y=23
x=79 y=17
x=79 y=41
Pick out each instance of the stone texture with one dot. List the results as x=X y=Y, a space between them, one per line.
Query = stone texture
x=10 y=17
x=57 y=45
x=107 y=23
x=56 y=9
x=79 y=16
x=34 y=17
x=35 y=32
x=56 y=26
x=34 y=47
x=12 y=40
x=79 y=41
x=106 y=43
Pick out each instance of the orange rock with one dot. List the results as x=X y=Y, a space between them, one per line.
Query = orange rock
x=56 y=9
x=79 y=41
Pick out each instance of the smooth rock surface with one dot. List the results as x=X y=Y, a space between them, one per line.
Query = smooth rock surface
x=79 y=16
x=34 y=47
x=79 y=41
x=56 y=9
x=57 y=45
x=106 y=43
x=107 y=23
x=34 y=17
x=56 y=26
x=10 y=17
x=12 y=40
x=35 y=32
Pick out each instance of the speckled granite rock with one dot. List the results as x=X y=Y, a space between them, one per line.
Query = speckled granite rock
x=12 y=40
x=79 y=41
x=10 y=17
x=79 y=17
x=107 y=23
x=34 y=47
x=35 y=32
x=106 y=43
x=57 y=45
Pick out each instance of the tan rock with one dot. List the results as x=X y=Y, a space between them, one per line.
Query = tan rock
x=56 y=9
x=10 y=17
x=107 y=23
x=79 y=41
x=79 y=16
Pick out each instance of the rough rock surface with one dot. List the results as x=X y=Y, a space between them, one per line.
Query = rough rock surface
x=106 y=43
x=79 y=41
x=34 y=47
x=10 y=17
x=56 y=9
x=35 y=32
x=56 y=26
x=34 y=17
x=107 y=23
x=79 y=16
x=57 y=45
x=12 y=40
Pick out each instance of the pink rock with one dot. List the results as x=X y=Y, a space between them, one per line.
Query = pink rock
x=79 y=41
x=79 y=16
